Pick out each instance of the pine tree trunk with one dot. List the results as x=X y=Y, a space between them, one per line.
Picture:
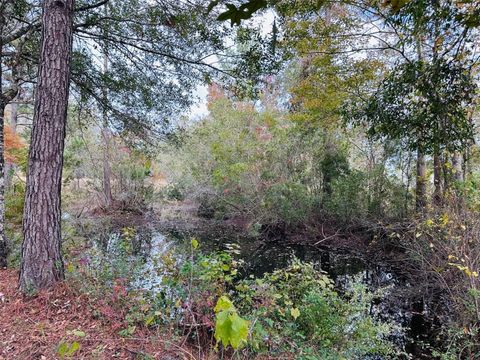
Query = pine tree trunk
x=42 y=264
x=421 y=190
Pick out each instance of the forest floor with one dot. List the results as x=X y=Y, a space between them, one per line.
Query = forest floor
x=33 y=328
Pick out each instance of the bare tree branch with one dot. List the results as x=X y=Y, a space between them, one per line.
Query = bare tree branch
x=92 y=6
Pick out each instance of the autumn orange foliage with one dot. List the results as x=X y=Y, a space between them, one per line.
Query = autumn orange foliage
x=215 y=93
x=13 y=142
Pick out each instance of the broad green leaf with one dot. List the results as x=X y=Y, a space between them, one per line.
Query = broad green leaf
x=223 y=303
x=239 y=331
x=231 y=329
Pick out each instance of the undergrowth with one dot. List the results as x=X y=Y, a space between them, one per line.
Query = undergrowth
x=202 y=298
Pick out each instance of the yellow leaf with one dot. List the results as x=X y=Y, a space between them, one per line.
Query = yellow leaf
x=195 y=243
x=295 y=313
x=444 y=219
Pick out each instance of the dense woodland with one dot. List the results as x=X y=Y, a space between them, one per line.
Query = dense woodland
x=251 y=179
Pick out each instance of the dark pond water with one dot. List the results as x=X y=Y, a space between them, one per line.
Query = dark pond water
x=395 y=305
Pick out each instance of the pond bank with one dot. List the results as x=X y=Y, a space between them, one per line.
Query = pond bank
x=330 y=250
x=350 y=253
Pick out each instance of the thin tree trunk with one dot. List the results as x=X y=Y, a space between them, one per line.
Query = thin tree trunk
x=458 y=176
x=14 y=115
x=421 y=185
x=408 y=182
x=107 y=171
x=447 y=176
x=42 y=264
x=421 y=190
x=437 y=179
x=4 y=248
x=9 y=167
x=457 y=164
x=465 y=164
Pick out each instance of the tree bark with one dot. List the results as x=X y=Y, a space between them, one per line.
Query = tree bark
x=457 y=164
x=9 y=167
x=14 y=115
x=459 y=178
x=42 y=264
x=421 y=189
x=5 y=98
x=447 y=176
x=437 y=179
x=3 y=239
x=4 y=248
x=107 y=171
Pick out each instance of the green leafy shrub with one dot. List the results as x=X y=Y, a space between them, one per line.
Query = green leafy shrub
x=363 y=195
x=299 y=306
x=295 y=310
x=290 y=202
x=14 y=200
x=348 y=197
x=265 y=168
x=173 y=192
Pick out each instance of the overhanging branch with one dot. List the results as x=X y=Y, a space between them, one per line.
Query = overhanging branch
x=92 y=6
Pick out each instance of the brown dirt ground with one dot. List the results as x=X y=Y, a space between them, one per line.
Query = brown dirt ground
x=32 y=328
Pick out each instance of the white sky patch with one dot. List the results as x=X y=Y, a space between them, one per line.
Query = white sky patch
x=199 y=108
